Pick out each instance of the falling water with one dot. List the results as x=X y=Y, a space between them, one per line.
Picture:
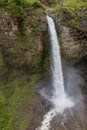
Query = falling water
x=59 y=99
x=56 y=67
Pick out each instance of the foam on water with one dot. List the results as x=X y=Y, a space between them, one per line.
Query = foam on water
x=45 y=125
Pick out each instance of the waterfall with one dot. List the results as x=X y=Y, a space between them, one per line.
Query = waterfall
x=59 y=99
x=56 y=66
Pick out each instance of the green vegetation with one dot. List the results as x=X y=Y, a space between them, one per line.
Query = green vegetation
x=15 y=96
x=19 y=10
x=72 y=5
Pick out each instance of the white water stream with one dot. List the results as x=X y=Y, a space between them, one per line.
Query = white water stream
x=59 y=99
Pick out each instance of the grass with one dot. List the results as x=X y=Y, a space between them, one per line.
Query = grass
x=14 y=96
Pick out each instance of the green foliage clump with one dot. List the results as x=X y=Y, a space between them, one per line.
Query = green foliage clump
x=18 y=9
x=14 y=95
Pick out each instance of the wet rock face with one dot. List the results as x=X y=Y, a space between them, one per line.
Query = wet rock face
x=69 y=48
x=74 y=43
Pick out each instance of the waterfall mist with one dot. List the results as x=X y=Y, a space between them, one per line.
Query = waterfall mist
x=73 y=81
